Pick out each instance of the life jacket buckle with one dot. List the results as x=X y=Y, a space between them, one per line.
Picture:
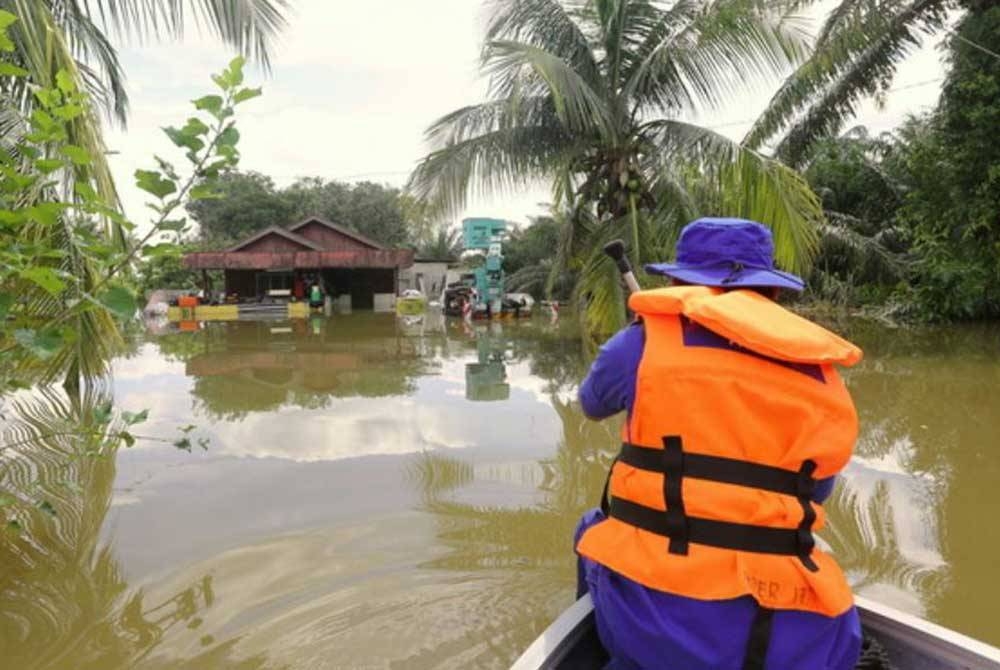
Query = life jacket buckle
x=806 y=485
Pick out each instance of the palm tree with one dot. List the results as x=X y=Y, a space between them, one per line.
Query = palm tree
x=860 y=179
x=446 y=243
x=855 y=56
x=591 y=96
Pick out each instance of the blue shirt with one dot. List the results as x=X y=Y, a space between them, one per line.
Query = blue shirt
x=645 y=628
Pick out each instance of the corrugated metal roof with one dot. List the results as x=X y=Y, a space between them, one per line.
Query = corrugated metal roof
x=239 y=260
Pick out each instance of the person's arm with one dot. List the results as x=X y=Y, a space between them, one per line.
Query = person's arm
x=824 y=487
x=609 y=387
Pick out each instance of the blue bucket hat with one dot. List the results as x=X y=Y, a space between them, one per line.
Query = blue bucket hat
x=726 y=253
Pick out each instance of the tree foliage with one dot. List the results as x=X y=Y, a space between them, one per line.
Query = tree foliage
x=529 y=260
x=62 y=282
x=445 y=244
x=913 y=216
x=862 y=253
x=250 y=202
x=953 y=210
x=374 y=210
x=590 y=96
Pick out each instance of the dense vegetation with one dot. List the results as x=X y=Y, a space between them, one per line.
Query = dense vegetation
x=251 y=202
x=913 y=217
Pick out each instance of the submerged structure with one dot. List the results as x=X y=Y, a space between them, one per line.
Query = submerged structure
x=281 y=264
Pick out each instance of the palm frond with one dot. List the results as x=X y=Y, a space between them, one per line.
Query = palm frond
x=522 y=69
x=576 y=226
x=599 y=289
x=43 y=49
x=745 y=184
x=249 y=26
x=838 y=18
x=487 y=164
x=101 y=73
x=618 y=21
x=474 y=120
x=98 y=338
x=532 y=279
x=868 y=255
x=667 y=23
x=545 y=24
x=856 y=57
x=697 y=58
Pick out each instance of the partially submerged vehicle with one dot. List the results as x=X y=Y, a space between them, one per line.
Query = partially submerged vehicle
x=460 y=298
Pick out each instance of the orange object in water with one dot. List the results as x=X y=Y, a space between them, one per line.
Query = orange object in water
x=187 y=301
x=187 y=326
x=738 y=412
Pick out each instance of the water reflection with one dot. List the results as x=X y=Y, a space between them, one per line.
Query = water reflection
x=255 y=366
x=66 y=602
x=530 y=545
x=360 y=503
x=909 y=520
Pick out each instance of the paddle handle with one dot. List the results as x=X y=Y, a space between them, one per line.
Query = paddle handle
x=616 y=251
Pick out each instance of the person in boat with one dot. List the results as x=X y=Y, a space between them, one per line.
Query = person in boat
x=702 y=554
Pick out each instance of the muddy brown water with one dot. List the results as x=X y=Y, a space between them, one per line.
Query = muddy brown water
x=381 y=494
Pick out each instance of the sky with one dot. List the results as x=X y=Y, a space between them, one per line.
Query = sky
x=354 y=85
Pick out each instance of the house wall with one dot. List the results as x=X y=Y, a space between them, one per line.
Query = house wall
x=434 y=277
x=455 y=274
x=362 y=285
x=243 y=282
x=329 y=239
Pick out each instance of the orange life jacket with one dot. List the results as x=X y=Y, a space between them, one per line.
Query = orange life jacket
x=738 y=411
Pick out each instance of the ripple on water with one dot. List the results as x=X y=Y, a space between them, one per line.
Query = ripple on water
x=358 y=597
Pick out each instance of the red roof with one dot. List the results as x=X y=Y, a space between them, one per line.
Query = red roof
x=358 y=237
x=328 y=245
x=279 y=232
x=272 y=260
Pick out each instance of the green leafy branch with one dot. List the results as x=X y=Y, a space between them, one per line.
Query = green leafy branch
x=211 y=150
x=60 y=275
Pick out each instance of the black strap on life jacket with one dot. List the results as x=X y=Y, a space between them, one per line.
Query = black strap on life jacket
x=759 y=640
x=681 y=529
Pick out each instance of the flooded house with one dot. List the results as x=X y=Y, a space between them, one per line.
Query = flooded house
x=281 y=264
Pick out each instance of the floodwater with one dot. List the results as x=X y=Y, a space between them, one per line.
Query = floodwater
x=359 y=492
